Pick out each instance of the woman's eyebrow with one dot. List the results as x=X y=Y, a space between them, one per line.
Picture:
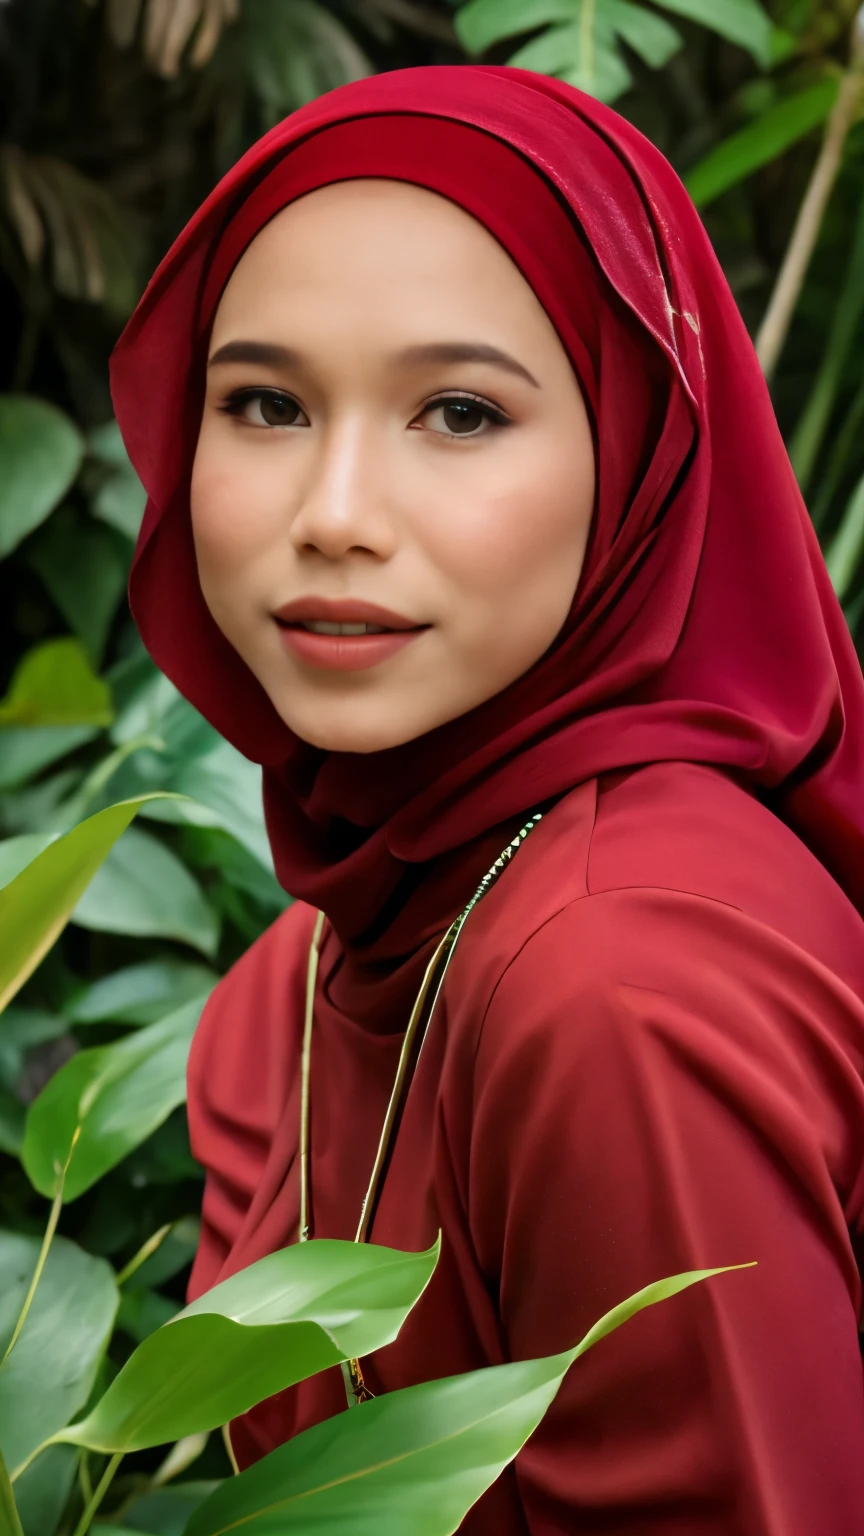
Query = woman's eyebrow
x=268 y=353
x=464 y=352
x=271 y=354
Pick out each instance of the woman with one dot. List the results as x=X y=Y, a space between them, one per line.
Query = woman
x=467 y=503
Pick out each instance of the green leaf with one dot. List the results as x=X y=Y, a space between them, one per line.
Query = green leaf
x=166 y=1511
x=54 y=684
x=586 y=57
x=140 y=994
x=40 y=455
x=646 y=33
x=35 y=906
x=25 y=752
x=84 y=568
x=121 y=498
x=17 y=852
x=581 y=45
x=293 y=1313
x=143 y=889
x=41 y=1492
x=761 y=142
x=740 y=21
x=114 y=1097
x=49 y=1375
x=225 y=784
x=484 y=22
x=413 y=1460
x=845 y=550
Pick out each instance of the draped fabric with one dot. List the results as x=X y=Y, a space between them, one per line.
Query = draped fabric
x=704 y=627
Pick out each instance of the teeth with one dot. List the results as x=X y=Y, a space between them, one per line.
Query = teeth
x=325 y=627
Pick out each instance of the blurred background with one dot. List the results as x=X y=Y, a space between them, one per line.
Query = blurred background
x=116 y=119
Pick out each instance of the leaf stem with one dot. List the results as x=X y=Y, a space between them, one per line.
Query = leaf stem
x=101 y=1489
x=153 y=1242
x=84 y=1482
x=95 y=783
x=51 y=1228
x=781 y=306
x=10 y=1520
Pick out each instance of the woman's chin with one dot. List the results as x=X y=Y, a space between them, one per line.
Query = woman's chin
x=364 y=736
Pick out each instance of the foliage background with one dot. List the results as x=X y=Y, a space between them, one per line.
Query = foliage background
x=117 y=117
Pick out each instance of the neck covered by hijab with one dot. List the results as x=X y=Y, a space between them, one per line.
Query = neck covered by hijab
x=704 y=627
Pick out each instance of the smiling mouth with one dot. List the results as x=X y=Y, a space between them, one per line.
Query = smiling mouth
x=328 y=627
x=343 y=635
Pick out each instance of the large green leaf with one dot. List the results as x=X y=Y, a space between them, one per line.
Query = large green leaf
x=35 y=906
x=17 y=852
x=413 y=1460
x=41 y=1492
x=113 y=1097
x=40 y=455
x=84 y=567
x=740 y=21
x=140 y=994
x=221 y=788
x=24 y=752
x=293 y=1313
x=54 y=684
x=763 y=140
x=143 y=889
x=49 y=1374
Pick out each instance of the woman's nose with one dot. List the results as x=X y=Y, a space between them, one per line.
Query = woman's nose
x=343 y=506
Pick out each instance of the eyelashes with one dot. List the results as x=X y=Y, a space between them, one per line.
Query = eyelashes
x=461 y=413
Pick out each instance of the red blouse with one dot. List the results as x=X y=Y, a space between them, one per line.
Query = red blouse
x=647 y=1058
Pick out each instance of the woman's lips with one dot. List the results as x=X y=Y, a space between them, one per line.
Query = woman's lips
x=343 y=634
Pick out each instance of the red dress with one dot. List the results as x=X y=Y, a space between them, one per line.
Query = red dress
x=647 y=1058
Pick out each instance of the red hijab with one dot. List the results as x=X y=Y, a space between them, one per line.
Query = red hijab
x=704 y=627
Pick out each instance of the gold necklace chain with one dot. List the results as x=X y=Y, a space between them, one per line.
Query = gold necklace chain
x=423 y=1009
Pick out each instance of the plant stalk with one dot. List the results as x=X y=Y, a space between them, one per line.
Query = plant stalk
x=781 y=307
x=147 y=1248
x=51 y=1228
x=100 y=1491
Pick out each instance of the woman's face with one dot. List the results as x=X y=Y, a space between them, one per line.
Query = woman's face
x=394 y=477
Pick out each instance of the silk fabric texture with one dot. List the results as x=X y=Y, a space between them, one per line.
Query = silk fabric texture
x=704 y=627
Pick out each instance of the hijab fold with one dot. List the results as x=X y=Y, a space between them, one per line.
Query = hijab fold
x=704 y=627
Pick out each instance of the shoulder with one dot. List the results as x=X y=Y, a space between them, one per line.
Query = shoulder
x=688 y=830
x=669 y=905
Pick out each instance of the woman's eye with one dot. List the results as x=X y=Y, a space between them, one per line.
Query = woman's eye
x=460 y=416
x=267 y=408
